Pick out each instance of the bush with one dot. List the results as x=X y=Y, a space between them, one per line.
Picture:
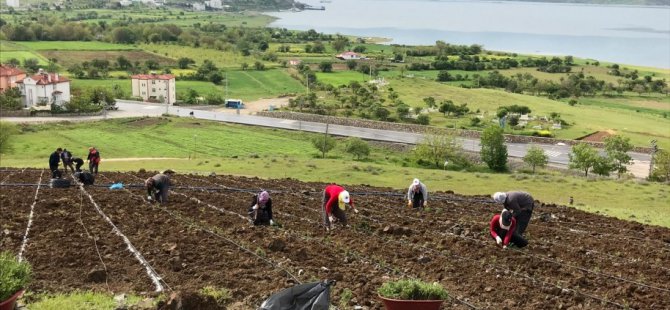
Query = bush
x=543 y=133
x=413 y=290
x=14 y=275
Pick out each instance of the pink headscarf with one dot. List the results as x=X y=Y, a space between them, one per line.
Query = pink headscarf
x=263 y=197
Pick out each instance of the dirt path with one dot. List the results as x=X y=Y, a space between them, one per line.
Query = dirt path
x=142 y=158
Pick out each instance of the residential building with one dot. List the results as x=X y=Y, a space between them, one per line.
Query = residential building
x=198 y=6
x=350 y=55
x=294 y=62
x=13 y=3
x=44 y=88
x=215 y=4
x=154 y=87
x=9 y=76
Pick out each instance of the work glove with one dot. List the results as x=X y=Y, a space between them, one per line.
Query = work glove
x=498 y=240
x=149 y=198
x=425 y=204
x=409 y=203
x=356 y=211
x=331 y=218
x=255 y=207
x=272 y=223
x=504 y=247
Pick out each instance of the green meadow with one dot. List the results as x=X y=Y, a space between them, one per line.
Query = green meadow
x=203 y=147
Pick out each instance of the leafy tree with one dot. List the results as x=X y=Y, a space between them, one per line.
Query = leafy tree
x=123 y=63
x=661 y=170
x=244 y=66
x=402 y=110
x=10 y=99
x=359 y=49
x=423 y=119
x=216 y=78
x=603 y=166
x=318 y=47
x=340 y=43
x=324 y=144
x=351 y=64
x=13 y=62
x=382 y=113
x=447 y=107
x=326 y=66
x=123 y=35
x=535 y=157
x=77 y=71
x=583 y=157
x=430 y=102
x=436 y=147
x=259 y=66
x=184 y=62
x=493 y=150
x=475 y=121
x=444 y=76
x=617 y=148
x=31 y=64
x=7 y=133
x=357 y=147
x=152 y=64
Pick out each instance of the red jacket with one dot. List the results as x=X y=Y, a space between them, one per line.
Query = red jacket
x=496 y=229
x=333 y=192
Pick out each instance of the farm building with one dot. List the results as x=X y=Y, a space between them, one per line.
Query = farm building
x=44 y=88
x=154 y=87
x=9 y=76
x=349 y=55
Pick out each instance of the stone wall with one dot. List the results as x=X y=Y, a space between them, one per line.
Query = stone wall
x=414 y=128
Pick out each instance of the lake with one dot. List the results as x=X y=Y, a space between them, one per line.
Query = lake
x=635 y=35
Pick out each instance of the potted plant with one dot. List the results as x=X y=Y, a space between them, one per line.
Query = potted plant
x=412 y=295
x=14 y=276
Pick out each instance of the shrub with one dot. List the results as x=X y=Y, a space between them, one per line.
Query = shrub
x=14 y=275
x=413 y=290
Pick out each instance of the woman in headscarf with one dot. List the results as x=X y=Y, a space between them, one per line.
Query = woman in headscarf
x=260 y=210
x=503 y=230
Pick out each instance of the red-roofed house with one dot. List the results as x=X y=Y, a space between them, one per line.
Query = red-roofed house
x=44 y=88
x=349 y=55
x=154 y=87
x=9 y=76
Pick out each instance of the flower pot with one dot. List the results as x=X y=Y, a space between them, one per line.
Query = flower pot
x=10 y=302
x=396 y=304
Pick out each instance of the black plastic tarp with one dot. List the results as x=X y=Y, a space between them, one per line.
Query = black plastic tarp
x=308 y=296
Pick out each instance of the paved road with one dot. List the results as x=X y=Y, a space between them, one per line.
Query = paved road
x=558 y=154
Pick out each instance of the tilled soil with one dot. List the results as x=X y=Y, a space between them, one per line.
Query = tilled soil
x=202 y=237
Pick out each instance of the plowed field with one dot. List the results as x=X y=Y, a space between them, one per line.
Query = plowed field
x=202 y=237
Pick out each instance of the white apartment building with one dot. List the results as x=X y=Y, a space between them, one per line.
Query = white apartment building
x=154 y=87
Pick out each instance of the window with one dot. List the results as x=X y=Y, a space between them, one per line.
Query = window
x=153 y=90
x=153 y=81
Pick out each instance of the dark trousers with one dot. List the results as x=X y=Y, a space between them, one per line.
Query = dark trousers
x=68 y=164
x=335 y=210
x=161 y=193
x=78 y=167
x=93 y=167
x=417 y=200
x=55 y=173
x=259 y=217
x=517 y=239
x=522 y=219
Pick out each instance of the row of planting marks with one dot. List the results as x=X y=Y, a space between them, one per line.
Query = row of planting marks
x=363 y=258
x=194 y=225
x=30 y=218
x=155 y=278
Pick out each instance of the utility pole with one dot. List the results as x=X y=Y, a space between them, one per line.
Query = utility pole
x=195 y=145
x=325 y=137
x=654 y=149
